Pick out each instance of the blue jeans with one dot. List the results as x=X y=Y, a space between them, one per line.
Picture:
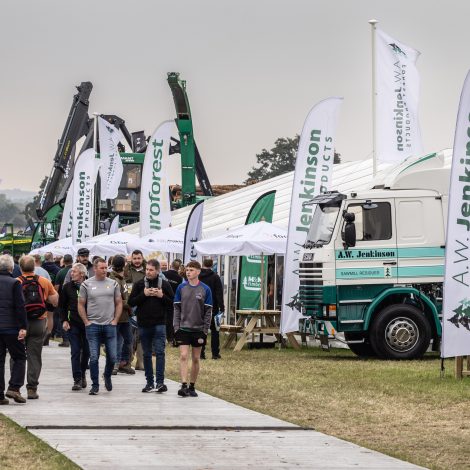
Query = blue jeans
x=124 y=342
x=153 y=337
x=96 y=335
x=79 y=351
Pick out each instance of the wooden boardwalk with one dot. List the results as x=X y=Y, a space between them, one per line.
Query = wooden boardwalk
x=129 y=429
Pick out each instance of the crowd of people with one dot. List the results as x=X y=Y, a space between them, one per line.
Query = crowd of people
x=135 y=308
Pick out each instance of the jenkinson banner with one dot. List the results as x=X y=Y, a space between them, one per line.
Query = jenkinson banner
x=193 y=233
x=110 y=161
x=155 y=209
x=397 y=95
x=249 y=278
x=313 y=173
x=84 y=178
x=456 y=307
x=67 y=216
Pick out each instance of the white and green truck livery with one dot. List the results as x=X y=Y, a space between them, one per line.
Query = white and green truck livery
x=372 y=266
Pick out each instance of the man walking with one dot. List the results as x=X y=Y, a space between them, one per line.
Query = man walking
x=212 y=279
x=73 y=325
x=83 y=256
x=124 y=329
x=100 y=306
x=58 y=284
x=13 y=325
x=37 y=292
x=192 y=319
x=153 y=297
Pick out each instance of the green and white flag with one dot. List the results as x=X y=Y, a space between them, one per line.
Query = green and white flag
x=312 y=176
x=456 y=308
x=249 y=279
x=397 y=96
x=155 y=209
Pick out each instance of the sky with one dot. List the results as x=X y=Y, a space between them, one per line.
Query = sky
x=254 y=69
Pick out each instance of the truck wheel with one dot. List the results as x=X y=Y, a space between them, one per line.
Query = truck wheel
x=359 y=349
x=400 y=331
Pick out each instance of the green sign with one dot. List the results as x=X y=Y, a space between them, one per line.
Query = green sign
x=249 y=278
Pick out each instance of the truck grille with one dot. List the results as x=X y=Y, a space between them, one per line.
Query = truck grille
x=311 y=287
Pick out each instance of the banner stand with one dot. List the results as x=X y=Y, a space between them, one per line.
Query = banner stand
x=459 y=370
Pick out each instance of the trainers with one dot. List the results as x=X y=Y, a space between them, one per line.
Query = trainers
x=183 y=392
x=84 y=384
x=32 y=394
x=161 y=388
x=148 y=388
x=203 y=356
x=108 y=385
x=4 y=401
x=77 y=385
x=64 y=344
x=93 y=390
x=127 y=369
x=217 y=356
x=192 y=392
x=115 y=370
x=16 y=395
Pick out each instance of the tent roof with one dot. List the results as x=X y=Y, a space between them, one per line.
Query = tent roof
x=231 y=209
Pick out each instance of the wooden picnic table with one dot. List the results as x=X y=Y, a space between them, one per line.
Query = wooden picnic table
x=269 y=324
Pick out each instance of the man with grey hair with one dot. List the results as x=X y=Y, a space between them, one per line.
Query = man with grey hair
x=74 y=326
x=13 y=324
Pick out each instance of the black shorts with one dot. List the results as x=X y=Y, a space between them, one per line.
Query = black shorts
x=196 y=339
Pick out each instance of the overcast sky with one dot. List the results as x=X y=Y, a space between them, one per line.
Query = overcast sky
x=254 y=69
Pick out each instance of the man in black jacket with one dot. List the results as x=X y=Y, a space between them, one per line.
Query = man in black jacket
x=13 y=325
x=73 y=324
x=153 y=298
x=212 y=279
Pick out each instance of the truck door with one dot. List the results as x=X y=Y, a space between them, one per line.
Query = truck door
x=420 y=240
x=374 y=258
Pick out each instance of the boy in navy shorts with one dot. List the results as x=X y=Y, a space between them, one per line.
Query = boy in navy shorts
x=191 y=321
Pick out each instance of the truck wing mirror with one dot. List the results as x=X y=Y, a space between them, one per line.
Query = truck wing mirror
x=349 y=230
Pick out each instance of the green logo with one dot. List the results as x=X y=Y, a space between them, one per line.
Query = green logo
x=462 y=315
x=397 y=49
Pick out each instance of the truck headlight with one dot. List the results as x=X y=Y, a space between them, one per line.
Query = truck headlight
x=308 y=257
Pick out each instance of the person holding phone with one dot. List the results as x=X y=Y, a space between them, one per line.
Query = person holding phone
x=153 y=297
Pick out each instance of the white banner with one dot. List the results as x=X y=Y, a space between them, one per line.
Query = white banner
x=114 y=227
x=397 y=96
x=313 y=169
x=67 y=216
x=83 y=186
x=155 y=208
x=193 y=233
x=110 y=161
x=456 y=308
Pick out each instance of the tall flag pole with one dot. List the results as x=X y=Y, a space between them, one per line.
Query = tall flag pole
x=396 y=97
x=373 y=26
x=456 y=306
x=155 y=209
x=250 y=273
x=312 y=176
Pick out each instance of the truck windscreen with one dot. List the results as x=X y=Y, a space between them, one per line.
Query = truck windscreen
x=322 y=226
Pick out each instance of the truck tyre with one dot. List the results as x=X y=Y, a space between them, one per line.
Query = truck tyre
x=400 y=331
x=360 y=349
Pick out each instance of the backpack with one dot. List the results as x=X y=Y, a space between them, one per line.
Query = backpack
x=34 y=301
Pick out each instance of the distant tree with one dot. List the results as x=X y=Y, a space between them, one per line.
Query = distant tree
x=277 y=161
x=30 y=208
x=11 y=213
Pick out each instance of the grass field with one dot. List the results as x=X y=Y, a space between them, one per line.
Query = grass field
x=403 y=409
x=19 y=449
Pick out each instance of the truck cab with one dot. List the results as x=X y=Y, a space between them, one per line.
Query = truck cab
x=372 y=265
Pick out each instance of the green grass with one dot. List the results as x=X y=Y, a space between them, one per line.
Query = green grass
x=400 y=408
x=19 y=449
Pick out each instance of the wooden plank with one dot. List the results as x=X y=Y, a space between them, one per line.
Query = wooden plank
x=246 y=332
x=458 y=367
